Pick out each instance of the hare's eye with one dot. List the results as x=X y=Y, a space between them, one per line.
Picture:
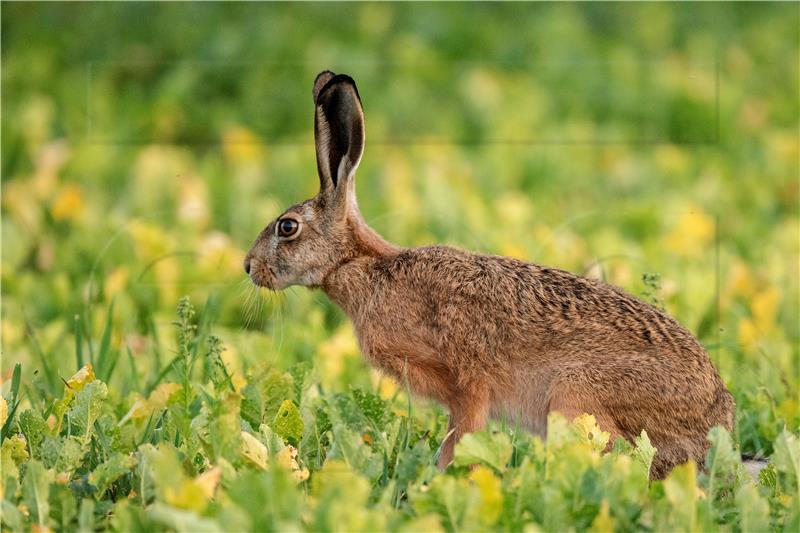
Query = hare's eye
x=287 y=227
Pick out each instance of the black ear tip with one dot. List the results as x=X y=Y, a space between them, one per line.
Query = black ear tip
x=319 y=82
x=323 y=73
x=334 y=81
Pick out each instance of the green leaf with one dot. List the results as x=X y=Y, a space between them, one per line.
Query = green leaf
x=36 y=491
x=680 y=489
x=109 y=471
x=409 y=463
x=11 y=517
x=180 y=520
x=300 y=372
x=491 y=449
x=644 y=451
x=64 y=454
x=252 y=405
x=14 y=403
x=753 y=509
x=721 y=455
x=276 y=387
x=349 y=446
x=163 y=466
x=768 y=477
x=132 y=518
x=267 y=500
x=455 y=501
x=371 y=405
x=33 y=426
x=63 y=507
x=787 y=460
x=288 y=423
x=13 y=452
x=86 y=516
x=723 y=463
x=86 y=408
x=622 y=446
x=329 y=514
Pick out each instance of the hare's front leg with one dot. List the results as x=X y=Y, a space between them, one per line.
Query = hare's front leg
x=468 y=413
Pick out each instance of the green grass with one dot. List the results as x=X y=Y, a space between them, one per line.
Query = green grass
x=144 y=147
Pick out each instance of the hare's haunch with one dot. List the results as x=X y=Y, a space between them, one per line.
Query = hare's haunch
x=488 y=335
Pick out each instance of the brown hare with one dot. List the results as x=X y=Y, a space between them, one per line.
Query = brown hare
x=487 y=335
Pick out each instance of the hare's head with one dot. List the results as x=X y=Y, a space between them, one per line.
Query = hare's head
x=311 y=238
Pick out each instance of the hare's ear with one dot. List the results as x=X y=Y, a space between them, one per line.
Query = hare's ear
x=339 y=135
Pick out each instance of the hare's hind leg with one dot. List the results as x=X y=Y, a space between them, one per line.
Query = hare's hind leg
x=668 y=456
x=572 y=406
x=468 y=413
x=676 y=450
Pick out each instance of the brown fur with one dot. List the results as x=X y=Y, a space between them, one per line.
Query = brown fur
x=487 y=335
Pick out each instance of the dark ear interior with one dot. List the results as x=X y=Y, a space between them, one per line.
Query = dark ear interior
x=338 y=127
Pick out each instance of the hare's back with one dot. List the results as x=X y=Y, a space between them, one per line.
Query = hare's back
x=512 y=298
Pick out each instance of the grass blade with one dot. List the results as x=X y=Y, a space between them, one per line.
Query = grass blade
x=78 y=342
x=106 y=357
x=49 y=374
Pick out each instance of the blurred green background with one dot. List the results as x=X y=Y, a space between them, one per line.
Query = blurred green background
x=144 y=146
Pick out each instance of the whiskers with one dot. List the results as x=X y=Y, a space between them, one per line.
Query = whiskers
x=253 y=311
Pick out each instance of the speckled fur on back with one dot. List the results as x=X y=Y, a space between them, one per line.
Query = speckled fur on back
x=488 y=335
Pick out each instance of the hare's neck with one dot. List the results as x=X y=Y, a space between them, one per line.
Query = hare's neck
x=366 y=240
x=351 y=283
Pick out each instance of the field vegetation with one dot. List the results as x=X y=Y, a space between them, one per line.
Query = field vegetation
x=146 y=385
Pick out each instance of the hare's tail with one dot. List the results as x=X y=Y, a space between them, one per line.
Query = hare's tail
x=754 y=465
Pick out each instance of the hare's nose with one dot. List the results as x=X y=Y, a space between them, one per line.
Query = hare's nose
x=247 y=265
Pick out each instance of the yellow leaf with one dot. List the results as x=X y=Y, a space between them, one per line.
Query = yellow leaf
x=765 y=308
x=218 y=255
x=18 y=448
x=149 y=240
x=81 y=377
x=682 y=493
x=193 y=202
x=740 y=281
x=79 y=380
x=116 y=281
x=208 y=481
x=603 y=522
x=491 y=493
x=162 y=394
x=335 y=350
x=158 y=400
x=387 y=388
x=748 y=333
x=253 y=450
x=513 y=250
x=287 y=458
x=587 y=428
x=189 y=495
x=692 y=234
x=69 y=203
x=671 y=159
x=3 y=411
x=241 y=145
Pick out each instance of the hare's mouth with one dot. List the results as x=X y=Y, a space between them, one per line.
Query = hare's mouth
x=263 y=281
x=267 y=284
x=263 y=277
